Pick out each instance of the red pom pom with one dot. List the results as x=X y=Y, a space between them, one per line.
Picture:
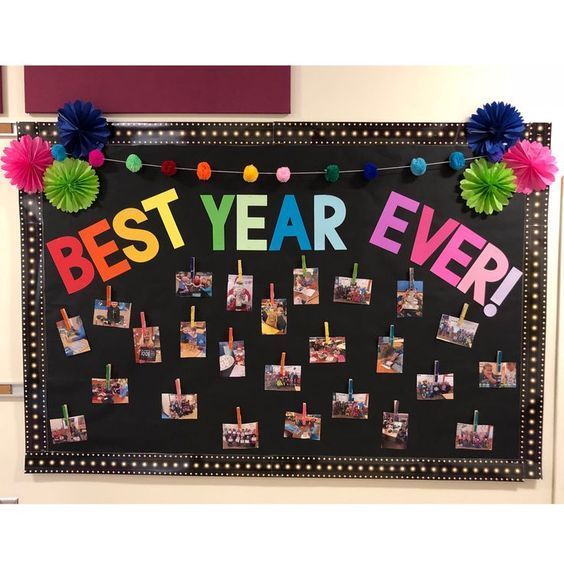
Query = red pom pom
x=168 y=168
x=203 y=171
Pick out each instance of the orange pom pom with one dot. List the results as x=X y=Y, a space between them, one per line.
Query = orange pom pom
x=203 y=171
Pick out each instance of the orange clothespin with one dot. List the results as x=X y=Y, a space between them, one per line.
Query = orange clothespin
x=108 y=295
x=282 y=363
x=178 y=390
x=65 y=319
x=272 y=294
x=239 y=419
x=230 y=338
x=304 y=412
x=143 y=323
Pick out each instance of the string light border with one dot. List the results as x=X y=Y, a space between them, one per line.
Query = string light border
x=39 y=459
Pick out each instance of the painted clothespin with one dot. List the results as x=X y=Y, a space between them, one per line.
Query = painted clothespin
x=354 y=274
x=411 y=278
x=65 y=319
x=350 y=389
x=304 y=265
x=498 y=361
x=326 y=324
x=272 y=294
x=66 y=414
x=108 y=295
x=282 y=363
x=304 y=412
x=392 y=334
x=475 y=423
x=230 y=339
x=143 y=323
x=178 y=390
x=396 y=409
x=108 y=377
x=463 y=314
x=436 y=370
x=193 y=266
x=239 y=418
x=193 y=316
x=240 y=271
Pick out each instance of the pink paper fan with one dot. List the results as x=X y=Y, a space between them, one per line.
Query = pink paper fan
x=25 y=161
x=533 y=165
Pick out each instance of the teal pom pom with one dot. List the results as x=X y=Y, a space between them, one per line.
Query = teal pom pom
x=456 y=160
x=59 y=153
x=370 y=171
x=133 y=163
x=418 y=166
x=332 y=173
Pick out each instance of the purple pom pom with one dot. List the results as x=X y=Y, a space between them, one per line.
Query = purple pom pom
x=370 y=171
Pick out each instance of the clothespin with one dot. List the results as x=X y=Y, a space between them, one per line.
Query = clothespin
x=178 y=390
x=326 y=324
x=193 y=316
x=143 y=323
x=411 y=278
x=350 y=389
x=230 y=340
x=282 y=363
x=463 y=314
x=392 y=332
x=66 y=414
x=240 y=271
x=272 y=294
x=436 y=370
x=499 y=362
x=65 y=319
x=475 y=423
x=304 y=412
x=193 y=266
x=239 y=419
x=304 y=266
x=396 y=409
x=108 y=377
x=354 y=274
x=108 y=295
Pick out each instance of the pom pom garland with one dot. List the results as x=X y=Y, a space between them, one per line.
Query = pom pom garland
x=133 y=163
x=59 y=153
x=533 y=164
x=332 y=173
x=283 y=174
x=456 y=160
x=251 y=173
x=25 y=162
x=370 y=171
x=96 y=158
x=168 y=168
x=203 y=171
x=418 y=166
x=71 y=185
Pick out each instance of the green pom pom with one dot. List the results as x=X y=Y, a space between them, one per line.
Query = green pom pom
x=71 y=185
x=133 y=163
x=332 y=173
x=487 y=187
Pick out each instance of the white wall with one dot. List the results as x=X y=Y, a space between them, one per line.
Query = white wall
x=318 y=94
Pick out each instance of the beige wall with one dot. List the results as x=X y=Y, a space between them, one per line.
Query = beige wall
x=324 y=94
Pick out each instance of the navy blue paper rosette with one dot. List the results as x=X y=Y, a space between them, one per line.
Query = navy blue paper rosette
x=82 y=128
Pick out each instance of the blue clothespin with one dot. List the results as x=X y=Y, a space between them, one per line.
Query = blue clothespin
x=193 y=266
x=499 y=362
x=350 y=389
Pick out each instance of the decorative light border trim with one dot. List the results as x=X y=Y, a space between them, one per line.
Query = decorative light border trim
x=528 y=466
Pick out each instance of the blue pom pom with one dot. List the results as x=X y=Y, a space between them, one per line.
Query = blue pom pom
x=418 y=166
x=370 y=171
x=59 y=153
x=457 y=160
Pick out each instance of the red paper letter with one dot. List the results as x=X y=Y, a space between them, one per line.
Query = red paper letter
x=73 y=259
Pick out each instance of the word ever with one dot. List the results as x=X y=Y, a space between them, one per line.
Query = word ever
x=454 y=234
x=77 y=270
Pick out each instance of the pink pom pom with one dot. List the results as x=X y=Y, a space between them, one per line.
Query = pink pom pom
x=533 y=164
x=96 y=158
x=283 y=174
x=25 y=161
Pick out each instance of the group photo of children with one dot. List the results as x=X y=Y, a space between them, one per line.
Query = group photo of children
x=322 y=350
x=116 y=393
x=244 y=436
x=480 y=438
x=452 y=330
x=184 y=406
x=296 y=426
x=289 y=381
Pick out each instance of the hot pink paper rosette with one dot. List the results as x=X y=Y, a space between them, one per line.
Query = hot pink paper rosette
x=25 y=161
x=533 y=164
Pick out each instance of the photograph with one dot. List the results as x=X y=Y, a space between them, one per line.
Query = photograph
x=346 y=292
x=147 y=345
x=480 y=439
x=274 y=316
x=306 y=286
x=451 y=331
x=117 y=314
x=240 y=292
x=73 y=339
x=232 y=361
x=409 y=298
x=193 y=339
x=247 y=436
x=197 y=286
x=345 y=408
x=184 y=406
x=73 y=432
x=390 y=357
x=331 y=351
x=491 y=377
x=290 y=381
x=296 y=427
x=117 y=392
x=431 y=387
x=394 y=430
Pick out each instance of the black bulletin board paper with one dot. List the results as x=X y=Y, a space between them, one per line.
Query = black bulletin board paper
x=133 y=438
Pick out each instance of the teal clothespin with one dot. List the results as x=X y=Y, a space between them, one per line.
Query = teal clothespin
x=350 y=389
x=392 y=331
x=475 y=423
x=499 y=362
x=108 y=377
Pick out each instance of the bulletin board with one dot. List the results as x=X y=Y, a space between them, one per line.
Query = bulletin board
x=134 y=439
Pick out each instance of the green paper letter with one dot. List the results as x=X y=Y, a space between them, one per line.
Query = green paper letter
x=218 y=217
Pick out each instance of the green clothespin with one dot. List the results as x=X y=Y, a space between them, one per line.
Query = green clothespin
x=304 y=266
x=354 y=274
x=66 y=414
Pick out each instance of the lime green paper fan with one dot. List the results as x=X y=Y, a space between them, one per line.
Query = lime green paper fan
x=487 y=187
x=71 y=185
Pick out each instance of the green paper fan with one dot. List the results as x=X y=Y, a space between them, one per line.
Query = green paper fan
x=487 y=187
x=71 y=185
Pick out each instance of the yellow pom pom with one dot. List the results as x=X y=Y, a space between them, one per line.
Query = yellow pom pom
x=250 y=174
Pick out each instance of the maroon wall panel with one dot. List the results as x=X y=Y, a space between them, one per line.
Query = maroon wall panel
x=1 y=97
x=173 y=90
